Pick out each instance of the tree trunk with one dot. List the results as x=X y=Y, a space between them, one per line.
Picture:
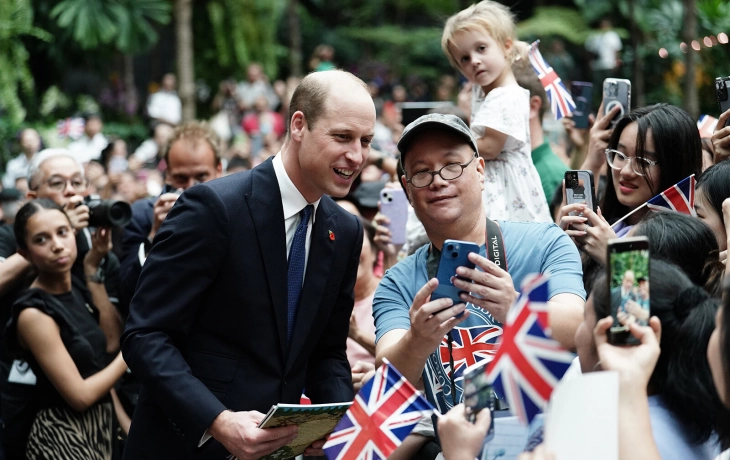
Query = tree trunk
x=130 y=90
x=184 y=47
x=637 y=73
x=691 y=99
x=295 y=39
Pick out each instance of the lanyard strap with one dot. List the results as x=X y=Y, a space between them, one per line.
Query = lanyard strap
x=495 y=245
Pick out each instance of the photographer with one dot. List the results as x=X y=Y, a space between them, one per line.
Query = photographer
x=192 y=157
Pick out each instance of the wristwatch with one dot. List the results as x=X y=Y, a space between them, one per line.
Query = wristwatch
x=97 y=277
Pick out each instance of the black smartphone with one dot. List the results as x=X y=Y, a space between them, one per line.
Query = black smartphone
x=454 y=254
x=478 y=394
x=579 y=188
x=582 y=93
x=628 y=286
x=616 y=92
x=721 y=87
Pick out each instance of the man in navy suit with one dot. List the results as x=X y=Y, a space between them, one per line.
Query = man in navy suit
x=211 y=333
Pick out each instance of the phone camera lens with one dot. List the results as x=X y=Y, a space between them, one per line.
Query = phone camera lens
x=450 y=247
x=454 y=254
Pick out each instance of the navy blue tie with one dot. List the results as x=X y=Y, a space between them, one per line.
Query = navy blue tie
x=295 y=272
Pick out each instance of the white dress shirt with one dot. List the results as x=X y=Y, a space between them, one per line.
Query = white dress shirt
x=16 y=168
x=293 y=203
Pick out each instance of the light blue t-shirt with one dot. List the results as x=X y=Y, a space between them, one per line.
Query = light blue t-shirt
x=530 y=248
x=670 y=438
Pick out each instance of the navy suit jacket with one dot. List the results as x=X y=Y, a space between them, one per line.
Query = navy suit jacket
x=207 y=329
x=135 y=233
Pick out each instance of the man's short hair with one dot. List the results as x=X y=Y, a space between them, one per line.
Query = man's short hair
x=527 y=78
x=194 y=132
x=311 y=95
x=34 y=170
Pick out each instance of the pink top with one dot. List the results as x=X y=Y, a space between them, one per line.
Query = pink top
x=363 y=311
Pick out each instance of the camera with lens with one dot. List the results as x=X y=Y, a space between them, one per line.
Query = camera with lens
x=571 y=179
x=721 y=87
x=107 y=213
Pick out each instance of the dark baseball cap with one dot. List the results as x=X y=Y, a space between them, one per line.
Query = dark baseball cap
x=438 y=121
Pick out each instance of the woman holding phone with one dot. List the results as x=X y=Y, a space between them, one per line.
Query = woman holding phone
x=65 y=333
x=650 y=149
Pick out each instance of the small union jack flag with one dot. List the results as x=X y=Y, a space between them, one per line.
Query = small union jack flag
x=384 y=412
x=70 y=127
x=529 y=363
x=706 y=125
x=469 y=345
x=561 y=102
x=679 y=197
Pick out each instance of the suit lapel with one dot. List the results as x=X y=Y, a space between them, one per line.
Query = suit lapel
x=321 y=251
x=267 y=213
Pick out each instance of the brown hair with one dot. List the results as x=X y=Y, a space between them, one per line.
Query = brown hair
x=194 y=132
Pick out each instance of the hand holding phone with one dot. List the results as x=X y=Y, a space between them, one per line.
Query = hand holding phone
x=628 y=287
x=454 y=254
x=723 y=100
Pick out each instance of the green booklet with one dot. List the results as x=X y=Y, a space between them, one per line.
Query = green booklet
x=315 y=422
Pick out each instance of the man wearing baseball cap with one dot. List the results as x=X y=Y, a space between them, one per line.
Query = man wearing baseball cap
x=425 y=339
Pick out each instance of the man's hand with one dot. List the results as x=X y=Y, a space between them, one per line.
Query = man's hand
x=101 y=244
x=360 y=370
x=431 y=320
x=162 y=207
x=383 y=242
x=238 y=433
x=493 y=286
x=77 y=212
x=315 y=450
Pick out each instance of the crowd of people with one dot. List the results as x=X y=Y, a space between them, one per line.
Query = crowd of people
x=257 y=268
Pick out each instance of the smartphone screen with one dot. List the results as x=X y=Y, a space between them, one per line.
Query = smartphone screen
x=478 y=393
x=628 y=264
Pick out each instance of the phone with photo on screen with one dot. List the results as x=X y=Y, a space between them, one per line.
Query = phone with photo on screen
x=478 y=394
x=628 y=286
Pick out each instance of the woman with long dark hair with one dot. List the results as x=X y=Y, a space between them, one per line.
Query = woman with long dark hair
x=649 y=150
x=63 y=330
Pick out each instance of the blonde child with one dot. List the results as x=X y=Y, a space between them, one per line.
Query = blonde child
x=480 y=41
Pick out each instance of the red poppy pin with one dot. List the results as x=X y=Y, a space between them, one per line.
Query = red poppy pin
x=332 y=235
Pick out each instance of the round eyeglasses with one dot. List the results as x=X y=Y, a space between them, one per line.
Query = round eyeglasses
x=617 y=160
x=449 y=172
x=58 y=183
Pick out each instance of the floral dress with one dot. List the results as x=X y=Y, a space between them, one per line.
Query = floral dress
x=512 y=187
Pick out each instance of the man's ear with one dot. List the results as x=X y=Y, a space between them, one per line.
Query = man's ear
x=31 y=194
x=535 y=104
x=405 y=187
x=297 y=125
x=480 y=170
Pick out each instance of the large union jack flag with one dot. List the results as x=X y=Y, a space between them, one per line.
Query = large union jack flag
x=529 y=363
x=706 y=125
x=469 y=345
x=561 y=102
x=679 y=197
x=70 y=127
x=384 y=412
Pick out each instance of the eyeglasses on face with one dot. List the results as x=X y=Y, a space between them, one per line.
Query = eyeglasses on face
x=59 y=183
x=639 y=165
x=449 y=172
